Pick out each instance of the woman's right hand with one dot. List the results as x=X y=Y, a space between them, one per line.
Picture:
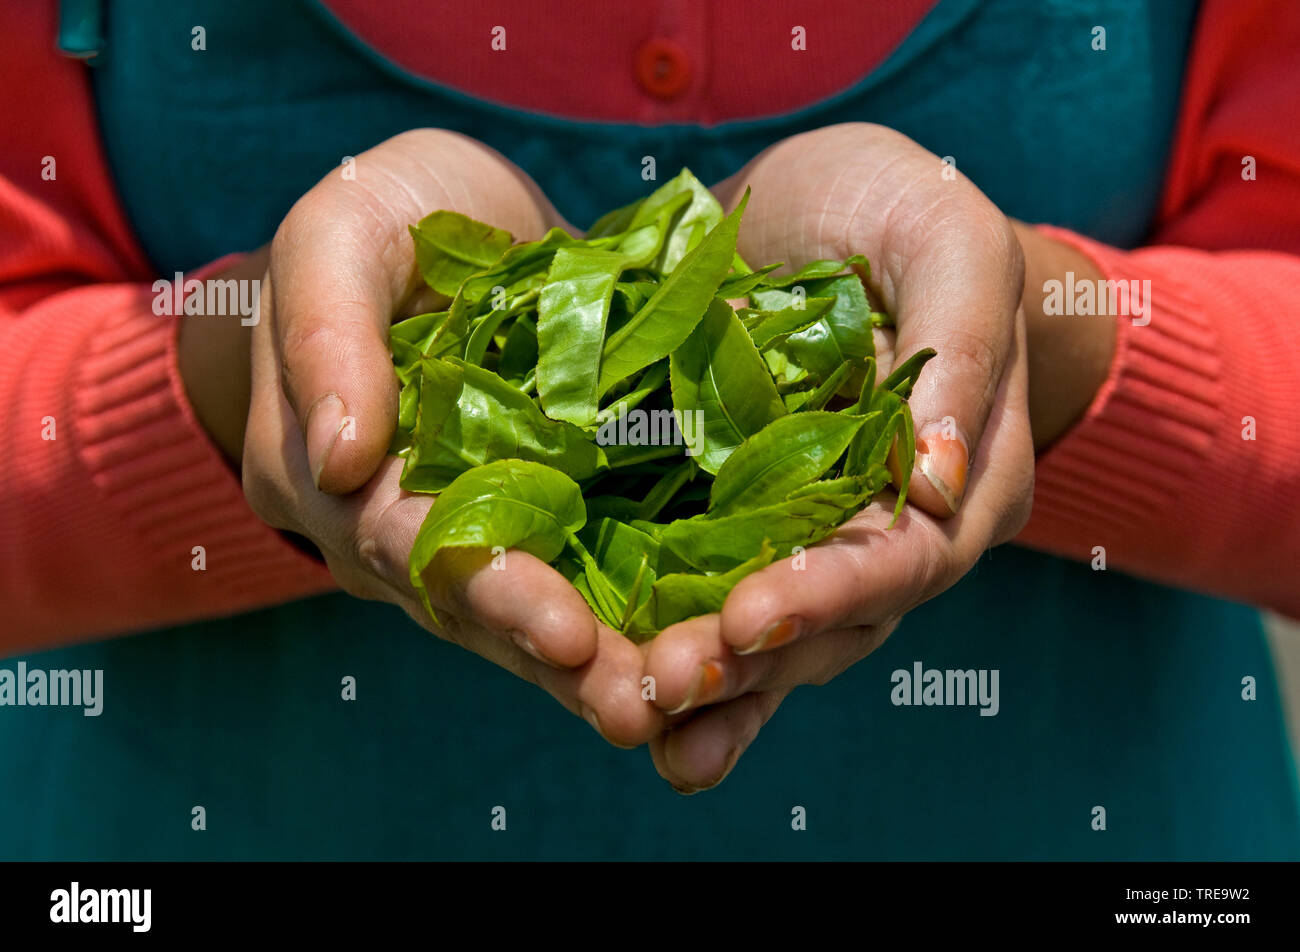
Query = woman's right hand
x=323 y=410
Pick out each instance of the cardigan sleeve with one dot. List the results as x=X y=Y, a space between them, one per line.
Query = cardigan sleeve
x=1186 y=468
x=109 y=482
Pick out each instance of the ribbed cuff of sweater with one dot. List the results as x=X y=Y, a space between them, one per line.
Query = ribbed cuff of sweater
x=1178 y=466
x=152 y=461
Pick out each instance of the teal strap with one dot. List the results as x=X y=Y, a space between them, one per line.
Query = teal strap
x=80 y=28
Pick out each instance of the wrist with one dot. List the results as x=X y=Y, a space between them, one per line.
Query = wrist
x=1069 y=356
x=213 y=356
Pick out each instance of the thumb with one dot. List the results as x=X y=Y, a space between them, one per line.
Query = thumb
x=330 y=303
x=961 y=299
x=342 y=264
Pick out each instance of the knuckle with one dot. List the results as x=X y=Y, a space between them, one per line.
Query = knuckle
x=372 y=543
x=851 y=646
x=450 y=628
x=357 y=584
x=302 y=340
x=974 y=355
x=1019 y=506
x=936 y=568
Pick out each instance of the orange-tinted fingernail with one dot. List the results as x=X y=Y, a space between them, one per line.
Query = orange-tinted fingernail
x=781 y=633
x=943 y=458
x=709 y=684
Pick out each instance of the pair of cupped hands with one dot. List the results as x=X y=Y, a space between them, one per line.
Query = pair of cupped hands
x=944 y=261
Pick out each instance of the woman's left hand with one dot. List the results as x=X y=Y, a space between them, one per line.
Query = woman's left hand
x=947 y=264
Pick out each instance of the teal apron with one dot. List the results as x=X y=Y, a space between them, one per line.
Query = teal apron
x=1113 y=692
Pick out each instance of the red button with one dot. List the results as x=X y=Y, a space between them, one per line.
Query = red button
x=662 y=68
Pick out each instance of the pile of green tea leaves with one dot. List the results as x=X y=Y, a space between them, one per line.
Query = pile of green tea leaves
x=599 y=403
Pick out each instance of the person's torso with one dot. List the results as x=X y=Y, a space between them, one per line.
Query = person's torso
x=1111 y=692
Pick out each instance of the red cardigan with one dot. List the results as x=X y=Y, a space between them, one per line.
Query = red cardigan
x=97 y=523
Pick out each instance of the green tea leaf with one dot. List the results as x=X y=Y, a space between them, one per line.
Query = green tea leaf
x=651 y=380
x=718 y=543
x=668 y=486
x=679 y=596
x=903 y=378
x=519 y=352
x=818 y=398
x=450 y=247
x=644 y=241
x=521 y=268
x=511 y=503
x=787 y=454
x=670 y=315
x=620 y=550
x=871 y=444
x=484 y=328
x=699 y=213
x=470 y=416
x=869 y=483
x=739 y=285
x=769 y=328
x=571 y=317
x=718 y=374
x=845 y=333
x=816 y=271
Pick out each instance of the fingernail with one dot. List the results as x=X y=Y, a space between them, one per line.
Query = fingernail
x=781 y=633
x=942 y=458
x=523 y=641
x=709 y=684
x=727 y=765
x=324 y=423
x=589 y=715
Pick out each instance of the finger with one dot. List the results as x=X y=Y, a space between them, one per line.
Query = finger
x=959 y=295
x=609 y=691
x=519 y=595
x=330 y=310
x=512 y=594
x=367 y=538
x=866 y=574
x=700 y=753
x=693 y=665
x=343 y=263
